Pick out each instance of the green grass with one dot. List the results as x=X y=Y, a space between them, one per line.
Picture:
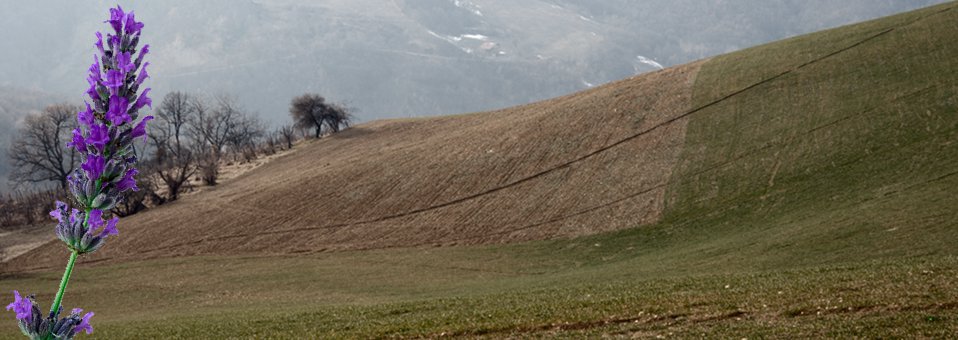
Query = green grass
x=818 y=202
x=488 y=291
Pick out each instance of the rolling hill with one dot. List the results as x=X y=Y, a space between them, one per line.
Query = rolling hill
x=812 y=124
x=801 y=188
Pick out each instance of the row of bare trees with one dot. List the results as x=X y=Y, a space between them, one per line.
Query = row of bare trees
x=192 y=136
x=25 y=207
x=188 y=141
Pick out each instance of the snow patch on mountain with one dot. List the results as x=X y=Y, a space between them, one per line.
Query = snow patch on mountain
x=469 y=6
x=649 y=62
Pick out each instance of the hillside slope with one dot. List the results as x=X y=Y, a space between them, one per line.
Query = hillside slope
x=845 y=136
x=524 y=173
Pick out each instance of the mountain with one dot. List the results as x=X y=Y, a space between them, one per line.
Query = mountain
x=400 y=58
x=844 y=132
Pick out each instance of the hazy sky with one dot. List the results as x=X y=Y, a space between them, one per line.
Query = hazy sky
x=393 y=58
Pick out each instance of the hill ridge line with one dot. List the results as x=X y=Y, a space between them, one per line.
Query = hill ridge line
x=573 y=161
x=580 y=158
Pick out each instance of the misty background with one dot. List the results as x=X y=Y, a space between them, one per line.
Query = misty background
x=391 y=58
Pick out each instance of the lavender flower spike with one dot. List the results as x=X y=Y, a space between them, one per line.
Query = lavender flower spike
x=104 y=139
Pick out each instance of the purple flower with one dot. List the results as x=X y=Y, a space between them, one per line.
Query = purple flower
x=143 y=53
x=140 y=129
x=94 y=76
x=116 y=18
x=110 y=228
x=20 y=305
x=93 y=166
x=143 y=100
x=99 y=136
x=92 y=92
x=114 y=41
x=124 y=62
x=58 y=212
x=77 y=141
x=133 y=26
x=128 y=182
x=86 y=117
x=114 y=80
x=117 y=112
x=104 y=136
x=75 y=216
x=99 y=42
x=94 y=219
x=84 y=324
x=143 y=75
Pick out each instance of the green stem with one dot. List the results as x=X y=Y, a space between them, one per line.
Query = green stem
x=64 y=281
x=69 y=270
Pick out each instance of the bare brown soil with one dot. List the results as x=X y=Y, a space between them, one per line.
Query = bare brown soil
x=585 y=163
x=19 y=240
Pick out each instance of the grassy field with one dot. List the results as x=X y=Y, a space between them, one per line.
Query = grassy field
x=602 y=285
x=815 y=196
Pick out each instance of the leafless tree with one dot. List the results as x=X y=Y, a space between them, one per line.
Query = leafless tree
x=219 y=128
x=173 y=158
x=338 y=117
x=247 y=133
x=288 y=135
x=25 y=207
x=213 y=127
x=312 y=111
x=39 y=153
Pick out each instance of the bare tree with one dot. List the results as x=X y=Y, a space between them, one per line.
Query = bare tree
x=39 y=152
x=308 y=111
x=222 y=127
x=213 y=127
x=173 y=157
x=247 y=134
x=288 y=134
x=338 y=117
x=312 y=111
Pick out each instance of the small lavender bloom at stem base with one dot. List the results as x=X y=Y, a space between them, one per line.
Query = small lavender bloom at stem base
x=84 y=324
x=20 y=305
x=110 y=228
x=94 y=220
